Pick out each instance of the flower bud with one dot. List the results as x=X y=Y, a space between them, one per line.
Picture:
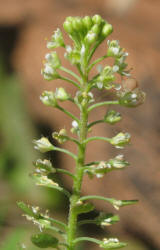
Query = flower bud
x=61 y=137
x=133 y=98
x=43 y=145
x=120 y=140
x=96 y=29
x=67 y=25
x=90 y=37
x=97 y=19
x=107 y=30
x=56 y=40
x=87 y=21
x=49 y=73
x=53 y=59
x=61 y=94
x=118 y=162
x=112 y=117
x=48 y=98
x=77 y=24
x=44 y=167
x=114 y=48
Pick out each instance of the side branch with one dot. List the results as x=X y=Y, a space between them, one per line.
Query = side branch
x=99 y=104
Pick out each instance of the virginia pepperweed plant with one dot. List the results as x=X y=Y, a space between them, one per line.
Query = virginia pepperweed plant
x=86 y=34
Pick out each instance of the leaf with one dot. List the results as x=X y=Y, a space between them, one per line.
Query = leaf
x=83 y=208
x=44 y=240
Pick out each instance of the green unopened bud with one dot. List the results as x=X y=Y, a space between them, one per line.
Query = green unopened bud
x=67 y=25
x=73 y=55
x=49 y=73
x=97 y=19
x=44 y=167
x=48 y=98
x=43 y=145
x=56 y=40
x=61 y=137
x=133 y=98
x=61 y=94
x=112 y=117
x=53 y=59
x=118 y=162
x=96 y=29
x=90 y=37
x=120 y=140
x=87 y=22
x=107 y=30
x=77 y=24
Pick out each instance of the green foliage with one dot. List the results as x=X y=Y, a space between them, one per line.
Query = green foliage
x=87 y=34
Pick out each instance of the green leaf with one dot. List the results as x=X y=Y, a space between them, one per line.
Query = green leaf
x=83 y=208
x=112 y=243
x=44 y=240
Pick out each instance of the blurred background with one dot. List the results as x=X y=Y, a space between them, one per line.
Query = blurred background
x=24 y=25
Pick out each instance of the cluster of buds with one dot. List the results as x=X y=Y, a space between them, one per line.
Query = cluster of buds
x=51 y=64
x=87 y=30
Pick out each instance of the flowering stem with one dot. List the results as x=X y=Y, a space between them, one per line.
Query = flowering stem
x=72 y=220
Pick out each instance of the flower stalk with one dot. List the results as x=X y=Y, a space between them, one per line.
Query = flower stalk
x=87 y=34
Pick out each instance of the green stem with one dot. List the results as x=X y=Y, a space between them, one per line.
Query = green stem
x=99 y=104
x=94 y=123
x=97 y=138
x=58 y=223
x=71 y=73
x=66 y=152
x=63 y=171
x=67 y=113
x=70 y=81
x=95 y=62
x=87 y=239
x=72 y=220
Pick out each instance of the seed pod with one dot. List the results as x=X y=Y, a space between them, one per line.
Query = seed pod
x=130 y=84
